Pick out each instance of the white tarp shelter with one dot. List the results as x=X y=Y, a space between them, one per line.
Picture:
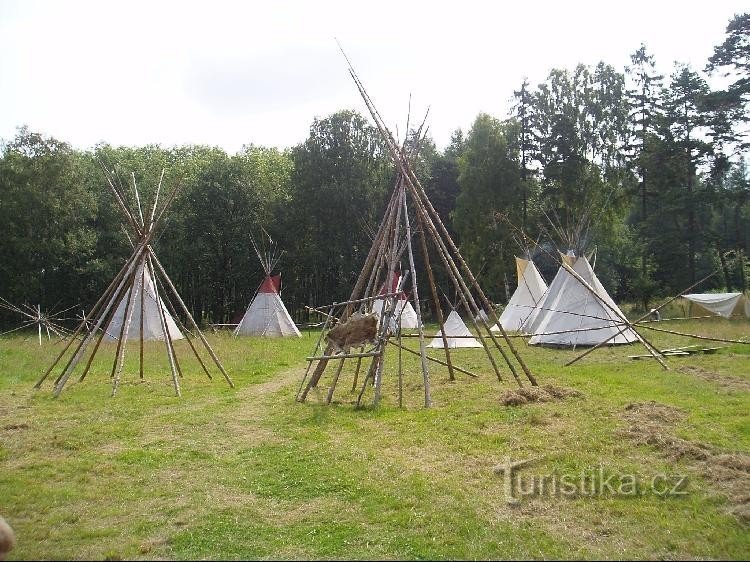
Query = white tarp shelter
x=267 y=315
x=530 y=290
x=152 y=320
x=454 y=326
x=570 y=315
x=722 y=304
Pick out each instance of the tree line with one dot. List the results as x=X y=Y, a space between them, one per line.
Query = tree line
x=646 y=171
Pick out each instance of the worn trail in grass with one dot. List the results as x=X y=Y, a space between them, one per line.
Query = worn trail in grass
x=250 y=473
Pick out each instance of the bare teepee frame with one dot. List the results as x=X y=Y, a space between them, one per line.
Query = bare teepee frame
x=393 y=239
x=48 y=321
x=142 y=262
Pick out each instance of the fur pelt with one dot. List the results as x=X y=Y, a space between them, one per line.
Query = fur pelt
x=357 y=330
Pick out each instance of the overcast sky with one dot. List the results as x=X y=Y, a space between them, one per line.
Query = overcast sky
x=233 y=73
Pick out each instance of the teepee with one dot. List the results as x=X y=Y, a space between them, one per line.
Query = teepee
x=409 y=215
x=534 y=319
x=403 y=313
x=131 y=306
x=454 y=333
x=267 y=315
x=530 y=290
x=578 y=311
x=148 y=312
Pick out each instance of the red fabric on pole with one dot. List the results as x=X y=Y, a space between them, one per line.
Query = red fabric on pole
x=271 y=284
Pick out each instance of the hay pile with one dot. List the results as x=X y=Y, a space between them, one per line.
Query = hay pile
x=651 y=423
x=545 y=393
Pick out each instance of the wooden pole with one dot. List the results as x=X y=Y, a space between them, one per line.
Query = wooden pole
x=400 y=374
x=174 y=366
x=190 y=317
x=435 y=360
x=181 y=326
x=143 y=310
x=462 y=295
x=335 y=381
x=84 y=322
x=328 y=319
x=369 y=264
x=665 y=303
x=650 y=348
x=76 y=357
x=124 y=330
x=417 y=189
x=696 y=336
x=389 y=304
x=107 y=321
x=435 y=298
x=356 y=370
x=420 y=326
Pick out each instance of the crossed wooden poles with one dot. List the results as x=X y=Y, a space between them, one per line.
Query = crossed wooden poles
x=142 y=262
x=394 y=237
x=33 y=315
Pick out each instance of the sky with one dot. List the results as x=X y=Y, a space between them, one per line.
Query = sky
x=227 y=74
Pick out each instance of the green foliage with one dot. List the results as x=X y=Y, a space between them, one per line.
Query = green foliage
x=48 y=215
x=646 y=171
x=340 y=181
x=490 y=181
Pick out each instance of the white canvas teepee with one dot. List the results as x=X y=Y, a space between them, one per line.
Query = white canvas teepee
x=534 y=319
x=570 y=315
x=404 y=312
x=148 y=316
x=456 y=334
x=530 y=290
x=267 y=315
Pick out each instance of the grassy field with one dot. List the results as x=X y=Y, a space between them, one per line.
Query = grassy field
x=248 y=472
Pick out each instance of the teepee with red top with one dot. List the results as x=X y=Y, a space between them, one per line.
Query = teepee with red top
x=404 y=314
x=267 y=315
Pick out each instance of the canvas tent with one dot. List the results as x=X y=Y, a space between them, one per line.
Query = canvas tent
x=722 y=304
x=530 y=290
x=571 y=315
x=483 y=317
x=537 y=314
x=267 y=315
x=147 y=308
x=456 y=334
x=404 y=312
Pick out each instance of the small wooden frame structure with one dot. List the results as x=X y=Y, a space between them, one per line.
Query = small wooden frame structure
x=409 y=213
x=142 y=262
x=35 y=316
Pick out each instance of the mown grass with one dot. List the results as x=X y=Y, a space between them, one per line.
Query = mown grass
x=248 y=472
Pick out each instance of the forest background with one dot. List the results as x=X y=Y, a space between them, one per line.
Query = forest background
x=652 y=167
